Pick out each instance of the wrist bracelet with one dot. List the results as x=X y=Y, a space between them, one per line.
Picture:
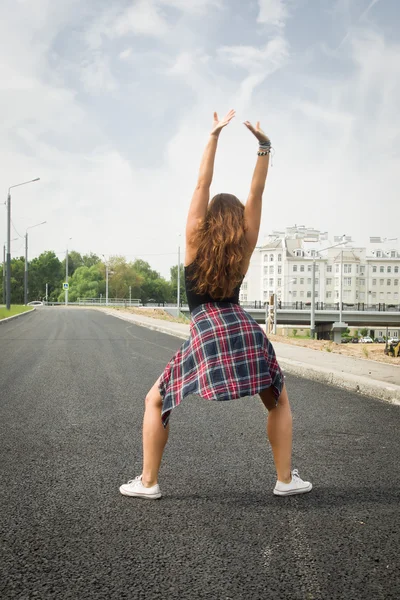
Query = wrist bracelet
x=265 y=145
x=264 y=152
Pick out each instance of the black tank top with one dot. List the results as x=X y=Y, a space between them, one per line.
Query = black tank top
x=195 y=300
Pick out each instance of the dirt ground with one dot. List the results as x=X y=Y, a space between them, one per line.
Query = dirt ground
x=365 y=351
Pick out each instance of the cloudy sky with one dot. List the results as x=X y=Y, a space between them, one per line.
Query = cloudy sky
x=110 y=104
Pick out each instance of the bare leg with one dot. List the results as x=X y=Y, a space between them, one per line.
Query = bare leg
x=279 y=430
x=155 y=437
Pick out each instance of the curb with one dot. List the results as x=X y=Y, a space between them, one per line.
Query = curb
x=6 y=319
x=354 y=383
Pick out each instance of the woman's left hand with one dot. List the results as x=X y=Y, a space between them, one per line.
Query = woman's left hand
x=218 y=125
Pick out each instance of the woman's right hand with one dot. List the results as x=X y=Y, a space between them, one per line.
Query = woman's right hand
x=257 y=132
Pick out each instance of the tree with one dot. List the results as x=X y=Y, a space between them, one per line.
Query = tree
x=17 y=280
x=46 y=268
x=86 y=282
x=364 y=332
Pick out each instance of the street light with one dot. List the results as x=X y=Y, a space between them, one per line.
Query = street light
x=178 y=294
x=4 y=270
x=8 y=279
x=312 y=320
x=26 y=261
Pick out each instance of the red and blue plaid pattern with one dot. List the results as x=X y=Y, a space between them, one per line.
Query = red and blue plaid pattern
x=227 y=356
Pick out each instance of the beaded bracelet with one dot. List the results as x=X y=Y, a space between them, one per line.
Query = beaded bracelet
x=264 y=152
x=265 y=145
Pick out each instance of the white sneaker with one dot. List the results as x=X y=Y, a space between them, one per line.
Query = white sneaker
x=135 y=488
x=296 y=486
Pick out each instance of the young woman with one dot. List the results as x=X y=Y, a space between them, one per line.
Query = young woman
x=227 y=355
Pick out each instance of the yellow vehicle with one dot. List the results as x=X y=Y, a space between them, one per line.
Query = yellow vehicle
x=393 y=349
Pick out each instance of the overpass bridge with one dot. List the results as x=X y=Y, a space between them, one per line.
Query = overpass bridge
x=325 y=315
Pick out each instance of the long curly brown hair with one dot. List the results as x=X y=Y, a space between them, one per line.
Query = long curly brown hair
x=222 y=246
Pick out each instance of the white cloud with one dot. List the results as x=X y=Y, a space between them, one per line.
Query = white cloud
x=273 y=12
x=192 y=6
x=266 y=59
x=143 y=17
x=125 y=54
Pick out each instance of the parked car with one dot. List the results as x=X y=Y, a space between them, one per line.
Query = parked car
x=35 y=303
x=354 y=340
x=393 y=340
x=346 y=340
x=379 y=340
x=366 y=340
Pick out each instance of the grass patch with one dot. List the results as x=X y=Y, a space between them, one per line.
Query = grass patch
x=14 y=310
x=365 y=352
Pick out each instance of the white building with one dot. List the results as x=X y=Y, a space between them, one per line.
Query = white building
x=283 y=265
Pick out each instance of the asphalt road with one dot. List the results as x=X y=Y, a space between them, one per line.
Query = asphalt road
x=72 y=384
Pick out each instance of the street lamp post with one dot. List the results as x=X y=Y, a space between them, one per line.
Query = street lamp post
x=26 y=262
x=8 y=278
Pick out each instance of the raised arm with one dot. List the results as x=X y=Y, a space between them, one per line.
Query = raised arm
x=201 y=195
x=252 y=211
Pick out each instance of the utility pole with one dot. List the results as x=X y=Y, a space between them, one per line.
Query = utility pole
x=8 y=275
x=130 y=295
x=47 y=292
x=26 y=271
x=66 y=277
x=341 y=288
x=107 y=284
x=4 y=274
x=312 y=323
x=178 y=299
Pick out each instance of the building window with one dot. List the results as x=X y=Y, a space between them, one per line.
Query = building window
x=381 y=281
x=389 y=269
x=362 y=296
x=347 y=281
x=271 y=282
x=308 y=294
x=265 y=257
x=271 y=270
x=279 y=257
x=336 y=281
x=279 y=282
x=346 y=294
x=396 y=295
x=329 y=269
x=265 y=270
x=265 y=295
x=294 y=268
x=381 y=269
x=301 y=294
x=245 y=286
x=301 y=280
x=347 y=268
x=309 y=281
x=316 y=294
x=374 y=269
x=374 y=282
x=381 y=295
x=362 y=282
x=309 y=268
x=317 y=267
x=245 y=297
x=389 y=282
x=393 y=254
x=336 y=268
x=294 y=294
x=317 y=281
x=271 y=258
x=396 y=269
x=329 y=294
x=378 y=254
x=279 y=269
x=329 y=281
x=294 y=281
x=362 y=270
x=302 y=268
x=265 y=282
x=396 y=282
x=374 y=295
x=337 y=295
